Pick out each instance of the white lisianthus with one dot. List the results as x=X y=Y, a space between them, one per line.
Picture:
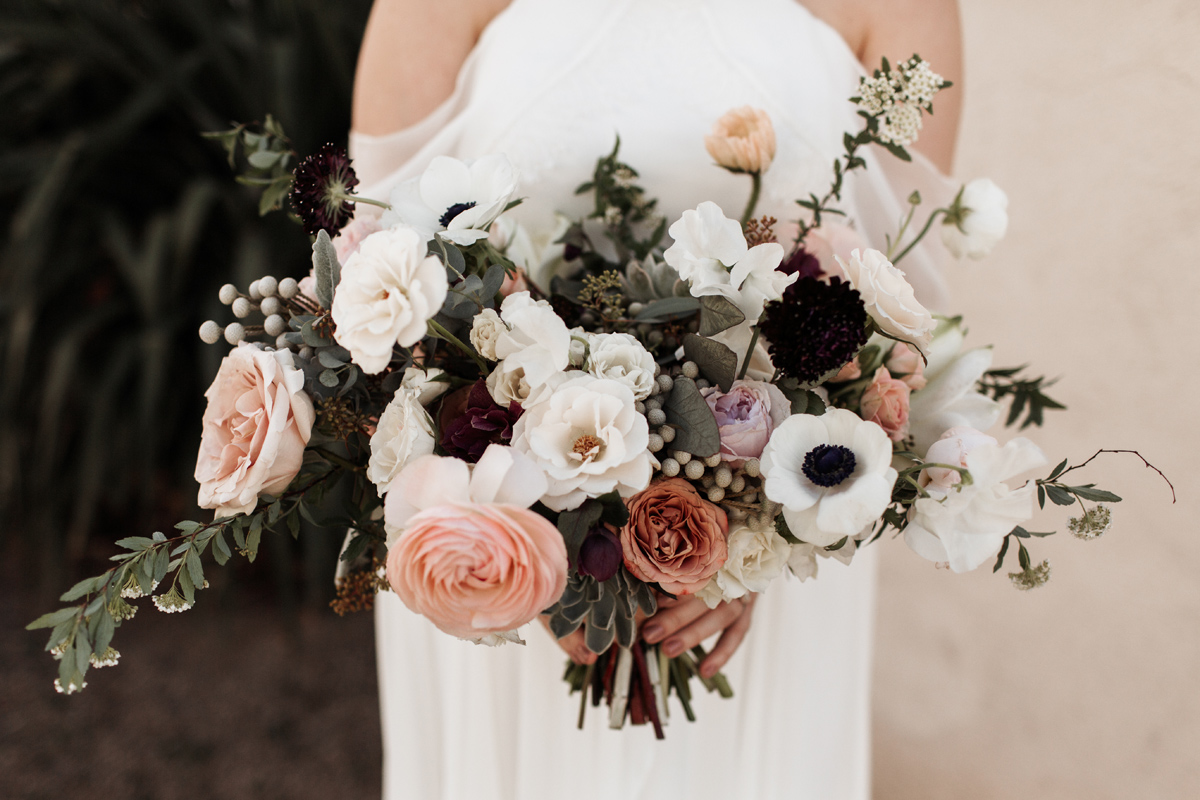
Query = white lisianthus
x=888 y=297
x=710 y=252
x=832 y=474
x=485 y=331
x=587 y=438
x=756 y=557
x=949 y=398
x=965 y=524
x=622 y=358
x=977 y=221
x=389 y=291
x=405 y=432
x=426 y=383
x=458 y=200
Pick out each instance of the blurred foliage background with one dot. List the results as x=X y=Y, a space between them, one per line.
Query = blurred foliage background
x=120 y=223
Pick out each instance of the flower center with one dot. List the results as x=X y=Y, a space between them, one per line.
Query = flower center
x=828 y=464
x=586 y=445
x=453 y=211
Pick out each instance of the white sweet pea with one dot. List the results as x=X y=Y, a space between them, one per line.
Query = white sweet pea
x=832 y=474
x=965 y=524
x=710 y=252
x=458 y=200
x=622 y=358
x=405 y=432
x=949 y=398
x=756 y=557
x=888 y=297
x=425 y=382
x=389 y=290
x=977 y=221
x=586 y=436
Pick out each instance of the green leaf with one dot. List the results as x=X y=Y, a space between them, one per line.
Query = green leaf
x=575 y=524
x=696 y=430
x=188 y=586
x=272 y=197
x=329 y=360
x=220 y=550
x=668 y=308
x=84 y=587
x=104 y=632
x=1041 y=496
x=263 y=159
x=1058 y=495
x=135 y=543
x=328 y=378
x=1095 y=495
x=53 y=618
x=161 y=561
x=493 y=279
x=1023 y=556
x=718 y=314
x=716 y=361
x=326 y=268
x=293 y=523
x=252 y=540
x=1000 y=557
x=1058 y=470
x=194 y=567
x=357 y=546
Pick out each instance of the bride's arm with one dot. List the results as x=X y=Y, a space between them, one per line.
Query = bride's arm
x=411 y=54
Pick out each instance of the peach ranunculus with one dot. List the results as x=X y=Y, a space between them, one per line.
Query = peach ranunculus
x=885 y=402
x=742 y=140
x=256 y=427
x=746 y=415
x=464 y=549
x=674 y=537
x=907 y=363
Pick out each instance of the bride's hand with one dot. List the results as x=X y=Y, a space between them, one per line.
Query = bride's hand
x=572 y=644
x=684 y=622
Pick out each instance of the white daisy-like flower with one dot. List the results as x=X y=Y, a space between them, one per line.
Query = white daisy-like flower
x=965 y=524
x=587 y=438
x=832 y=474
x=458 y=200
x=404 y=433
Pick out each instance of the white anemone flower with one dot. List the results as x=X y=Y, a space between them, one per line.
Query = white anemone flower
x=965 y=524
x=588 y=439
x=458 y=200
x=710 y=252
x=832 y=474
x=977 y=221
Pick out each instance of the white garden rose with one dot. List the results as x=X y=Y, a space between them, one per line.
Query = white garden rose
x=587 y=437
x=405 y=432
x=579 y=347
x=458 y=200
x=756 y=557
x=389 y=291
x=537 y=340
x=832 y=474
x=977 y=220
x=426 y=383
x=622 y=358
x=506 y=384
x=966 y=524
x=485 y=331
x=888 y=297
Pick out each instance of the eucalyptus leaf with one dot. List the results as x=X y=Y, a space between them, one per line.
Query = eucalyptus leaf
x=326 y=268
x=716 y=361
x=328 y=378
x=696 y=430
x=668 y=308
x=718 y=314
x=493 y=279
x=329 y=360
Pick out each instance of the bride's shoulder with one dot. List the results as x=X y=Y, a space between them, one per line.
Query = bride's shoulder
x=411 y=53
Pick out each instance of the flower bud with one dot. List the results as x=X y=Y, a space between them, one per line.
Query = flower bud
x=228 y=294
x=210 y=332
x=234 y=332
x=242 y=308
x=270 y=305
x=600 y=554
x=267 y=286
x=288 y=288
x=742 y=140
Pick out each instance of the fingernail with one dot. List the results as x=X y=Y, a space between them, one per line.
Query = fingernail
x=708 y=670
x=652 y=633
x=673 y=648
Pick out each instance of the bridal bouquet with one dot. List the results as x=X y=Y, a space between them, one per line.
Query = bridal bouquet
x=645 y=408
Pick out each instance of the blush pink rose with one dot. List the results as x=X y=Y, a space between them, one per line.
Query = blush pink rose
x=514 y=283
x=885 y=402
x=674 y=537
x=850 y=372
x=907 y=363
x=351 y=237
x=256 y=427
x=746 y=415
x=478 y=569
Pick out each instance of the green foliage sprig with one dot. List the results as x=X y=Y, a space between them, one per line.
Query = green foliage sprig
x=1026 y=393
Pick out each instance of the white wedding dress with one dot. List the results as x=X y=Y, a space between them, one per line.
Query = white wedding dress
x=550 y=83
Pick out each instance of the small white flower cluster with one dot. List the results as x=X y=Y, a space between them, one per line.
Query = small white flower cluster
x=1031 y=578
x=1094 y=523
x=133 y=590
x=171 y=603
x=72 y=687
x=108 y=658
x=898 y=97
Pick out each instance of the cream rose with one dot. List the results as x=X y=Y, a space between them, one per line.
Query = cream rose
x=485 y=331
x=405 y=432
x=389 y=290
x=742 y=140
x=256 y=427
x=622 y=358
x=888 y=297
x=977 y=221
x=756 y=557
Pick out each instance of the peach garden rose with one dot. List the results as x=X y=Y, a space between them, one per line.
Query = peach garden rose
x=256 y=426
x=674 y=537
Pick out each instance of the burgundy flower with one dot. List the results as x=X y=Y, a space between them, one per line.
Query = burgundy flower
x=600 y=554
x=320 y=192
x=482 y=422
x=816 y=328
x=802 y=263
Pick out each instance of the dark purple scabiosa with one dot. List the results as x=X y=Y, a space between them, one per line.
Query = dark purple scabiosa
x=322 y=189
x=815 y=329
x=482 y=422
x=600 y=554
x=802 y=263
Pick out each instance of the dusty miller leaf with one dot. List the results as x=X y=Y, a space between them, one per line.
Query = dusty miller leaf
x=718 y=314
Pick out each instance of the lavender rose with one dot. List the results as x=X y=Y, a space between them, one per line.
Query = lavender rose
x=746 y=415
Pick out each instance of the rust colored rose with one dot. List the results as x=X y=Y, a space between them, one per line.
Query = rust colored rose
x=674 y=537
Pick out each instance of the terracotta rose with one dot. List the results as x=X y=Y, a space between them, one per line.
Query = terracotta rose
x=674 y=537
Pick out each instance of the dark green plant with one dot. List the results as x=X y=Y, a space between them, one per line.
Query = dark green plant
x=120 y=222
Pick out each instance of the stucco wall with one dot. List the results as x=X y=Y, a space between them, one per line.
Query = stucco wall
x=1088 y=113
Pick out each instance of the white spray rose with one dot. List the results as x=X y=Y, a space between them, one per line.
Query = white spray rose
x=756 y=557
x=622 y=358
x=389 y=290
x=425 y=382
x=888 y=297
x=485 y=331
x=977 y=221
x=405 y=431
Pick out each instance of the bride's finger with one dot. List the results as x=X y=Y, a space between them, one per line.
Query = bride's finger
x=574 y=645
x=706 y=625
x=728 y=644
x=671 y=618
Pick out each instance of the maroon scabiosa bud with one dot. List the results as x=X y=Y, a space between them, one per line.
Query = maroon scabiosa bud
x=322 y=189
x=600 y=554
x=482 y=422
x=802 y=263
x=815 y=329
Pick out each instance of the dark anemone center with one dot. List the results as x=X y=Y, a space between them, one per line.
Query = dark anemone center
x=453 y=211
x=828 y=464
